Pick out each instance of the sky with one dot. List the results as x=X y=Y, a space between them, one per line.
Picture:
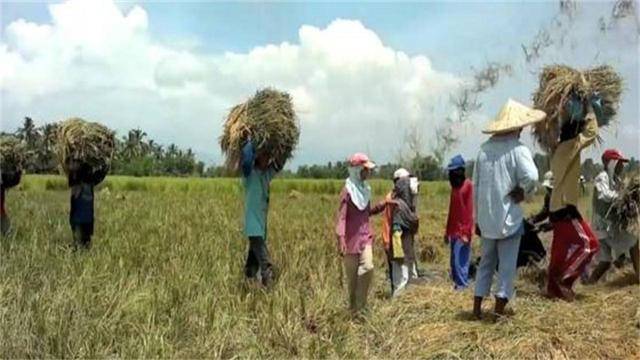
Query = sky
x=361 y=75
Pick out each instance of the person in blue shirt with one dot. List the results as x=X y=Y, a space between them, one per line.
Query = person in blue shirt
x=257 y=171
x=81 y=216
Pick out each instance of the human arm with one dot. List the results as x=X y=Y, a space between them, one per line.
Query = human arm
x=248 y=158
x=526 y=172
x=603 y=188
x=469 y=216
x=341 y=223
x=544 y=212
x=378 y=207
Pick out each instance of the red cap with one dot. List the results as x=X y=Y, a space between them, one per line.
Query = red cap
x=613 y=154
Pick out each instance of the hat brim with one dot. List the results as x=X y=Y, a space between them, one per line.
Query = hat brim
x=514 y=116
x=369 y=165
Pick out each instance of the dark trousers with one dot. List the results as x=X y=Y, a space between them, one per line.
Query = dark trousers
x=82 y=235
x=258 y=259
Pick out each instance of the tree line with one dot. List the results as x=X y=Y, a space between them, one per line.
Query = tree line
x=138 y=155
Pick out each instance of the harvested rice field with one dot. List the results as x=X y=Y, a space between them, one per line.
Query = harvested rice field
x=164 y=279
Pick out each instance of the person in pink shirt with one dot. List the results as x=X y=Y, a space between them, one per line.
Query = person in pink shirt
x=353 y=231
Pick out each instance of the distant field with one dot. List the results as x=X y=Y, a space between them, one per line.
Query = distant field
x=164 y=279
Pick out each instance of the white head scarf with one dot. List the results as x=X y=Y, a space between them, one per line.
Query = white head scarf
x=611 y=171
x=414 y=184
x=358 y=189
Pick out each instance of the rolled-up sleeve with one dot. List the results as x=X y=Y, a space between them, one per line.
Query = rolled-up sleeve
x=526 y=170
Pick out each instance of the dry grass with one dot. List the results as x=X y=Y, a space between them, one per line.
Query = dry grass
x=557 y=82
x=625 y=211
x=269 y=120
x=12 y=158
x=12 y=154
x=164 y=279
x=82 y=142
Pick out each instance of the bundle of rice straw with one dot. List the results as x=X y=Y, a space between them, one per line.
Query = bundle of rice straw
x=557 y=82
x=269 y=120
x=85 y=147
x=12 y=157
x=625 y=211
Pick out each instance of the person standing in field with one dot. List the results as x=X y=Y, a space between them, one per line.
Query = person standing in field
x=81 y=215
x=574 y=243
x=354 y=237
x=400 y=224
x=504 y=173
x=460 y=224
x=614 y=242
x=257 y=175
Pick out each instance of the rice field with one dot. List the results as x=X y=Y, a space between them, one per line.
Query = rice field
x=164 y=279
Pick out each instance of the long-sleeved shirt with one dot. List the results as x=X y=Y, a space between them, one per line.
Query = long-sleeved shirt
x=603 y=196
x=460 y=220
x=502 y=164
x=565 y=165
x=353 y=224
x=81 y=204
x=256 y=197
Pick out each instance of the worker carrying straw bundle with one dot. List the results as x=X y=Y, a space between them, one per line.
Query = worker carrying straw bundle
x=259 y=137
x=615 y=214
x=85 y=151
x=11 y=164
x=561 y=84
x=578 y=104
x=268 y=119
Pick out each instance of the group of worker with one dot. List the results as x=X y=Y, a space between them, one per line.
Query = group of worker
x=487 y=206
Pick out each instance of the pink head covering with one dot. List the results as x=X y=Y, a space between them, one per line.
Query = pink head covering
x=361 y=159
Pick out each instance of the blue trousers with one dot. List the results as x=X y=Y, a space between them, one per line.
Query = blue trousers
x=460 y=259
x=502 y=253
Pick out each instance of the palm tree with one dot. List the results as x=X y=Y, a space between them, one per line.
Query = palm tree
x=28 y=132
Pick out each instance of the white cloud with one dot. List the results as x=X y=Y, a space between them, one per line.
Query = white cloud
x=351 y=91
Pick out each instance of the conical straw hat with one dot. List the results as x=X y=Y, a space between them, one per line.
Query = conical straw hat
x=513 y=116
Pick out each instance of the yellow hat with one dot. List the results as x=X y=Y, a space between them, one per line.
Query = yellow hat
x=513 y=116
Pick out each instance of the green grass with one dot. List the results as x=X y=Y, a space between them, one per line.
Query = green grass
x=164 y=279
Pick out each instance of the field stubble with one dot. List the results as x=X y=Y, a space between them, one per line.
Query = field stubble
x=164 y=279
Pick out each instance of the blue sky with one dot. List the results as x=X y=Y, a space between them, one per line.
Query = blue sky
x=186 y=45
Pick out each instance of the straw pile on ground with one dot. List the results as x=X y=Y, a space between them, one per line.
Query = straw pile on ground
x=11 y=160
x=85 y=150
x=269 y=120
x=625 y=211
x=558 y=82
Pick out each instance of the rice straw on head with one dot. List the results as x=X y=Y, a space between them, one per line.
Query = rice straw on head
x=12 y=158
x=82 y=143
x=558 y=82
x=269 y=120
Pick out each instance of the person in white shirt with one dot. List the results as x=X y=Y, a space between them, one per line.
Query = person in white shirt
x=504 y=173
x=614 y=242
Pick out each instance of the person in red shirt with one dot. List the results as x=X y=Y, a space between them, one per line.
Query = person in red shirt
x=460 y=224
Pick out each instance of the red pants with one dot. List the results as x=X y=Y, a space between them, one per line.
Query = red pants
x=573 y=247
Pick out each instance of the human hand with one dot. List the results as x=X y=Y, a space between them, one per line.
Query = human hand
x=517 y=194
x=342 y=246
